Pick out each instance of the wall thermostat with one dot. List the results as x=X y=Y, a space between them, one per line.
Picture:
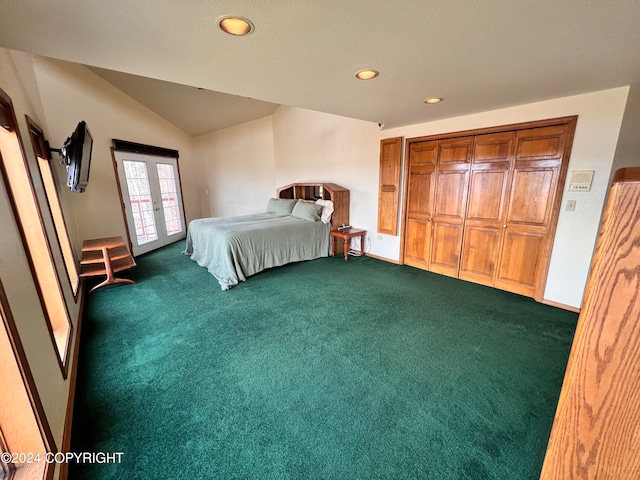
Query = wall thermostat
x=581 y=180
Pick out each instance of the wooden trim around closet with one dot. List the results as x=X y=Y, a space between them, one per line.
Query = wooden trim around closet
x=555 y=213
x=570 y=121
x=497 y=129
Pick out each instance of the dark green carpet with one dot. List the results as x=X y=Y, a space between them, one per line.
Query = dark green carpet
x=316 y=370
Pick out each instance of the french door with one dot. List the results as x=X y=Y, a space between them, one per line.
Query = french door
x=152 y=200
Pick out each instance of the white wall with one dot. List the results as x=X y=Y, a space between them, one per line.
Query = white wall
x=599 y=120
x=319 y=147
x=312 y=146
x=70 y=93
x=237 y=169
x=628 y=148
x=245 y=164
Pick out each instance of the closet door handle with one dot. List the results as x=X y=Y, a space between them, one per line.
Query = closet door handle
x=504 y=226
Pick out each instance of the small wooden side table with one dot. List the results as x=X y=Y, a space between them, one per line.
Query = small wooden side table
x=105 y=256
x=347 y=234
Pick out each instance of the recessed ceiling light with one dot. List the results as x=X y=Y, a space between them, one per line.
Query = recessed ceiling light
x=235 y=25
x=431 y=101
x=366 y=74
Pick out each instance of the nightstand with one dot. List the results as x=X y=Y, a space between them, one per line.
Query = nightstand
x=347 y=234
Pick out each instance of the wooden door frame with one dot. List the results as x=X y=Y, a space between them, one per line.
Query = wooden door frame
x=139 y=148
x=570 y=121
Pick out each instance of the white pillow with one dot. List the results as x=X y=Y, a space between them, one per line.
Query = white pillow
x=327 y=210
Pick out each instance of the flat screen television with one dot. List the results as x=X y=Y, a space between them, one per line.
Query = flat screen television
x=76 y=156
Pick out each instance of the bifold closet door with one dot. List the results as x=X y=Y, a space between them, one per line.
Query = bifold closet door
x=484 y=207
x=452 y=183
x=529 y=224
x=488 y=193
x=422 y=167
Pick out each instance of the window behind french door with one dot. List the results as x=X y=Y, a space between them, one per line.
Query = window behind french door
x=152 y=200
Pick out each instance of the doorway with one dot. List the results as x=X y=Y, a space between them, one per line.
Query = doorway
x=152 y=200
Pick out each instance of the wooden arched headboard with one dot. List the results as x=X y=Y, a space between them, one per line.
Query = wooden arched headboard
x=326 y=191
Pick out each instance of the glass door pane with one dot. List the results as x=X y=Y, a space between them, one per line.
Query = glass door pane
x=152 y=199
x=141 y=201
x=169 y=194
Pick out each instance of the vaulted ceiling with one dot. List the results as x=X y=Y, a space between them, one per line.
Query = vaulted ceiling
x=478 y=56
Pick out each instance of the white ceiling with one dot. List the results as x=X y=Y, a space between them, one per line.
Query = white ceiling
x=194 y=110
x=477 y=55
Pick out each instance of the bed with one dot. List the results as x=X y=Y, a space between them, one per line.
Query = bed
x=291 y=230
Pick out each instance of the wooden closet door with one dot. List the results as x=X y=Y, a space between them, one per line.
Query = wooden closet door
x=452 y=183
x=530 y=219
x=390 y=158
x=488 y=191
x=420 y=194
